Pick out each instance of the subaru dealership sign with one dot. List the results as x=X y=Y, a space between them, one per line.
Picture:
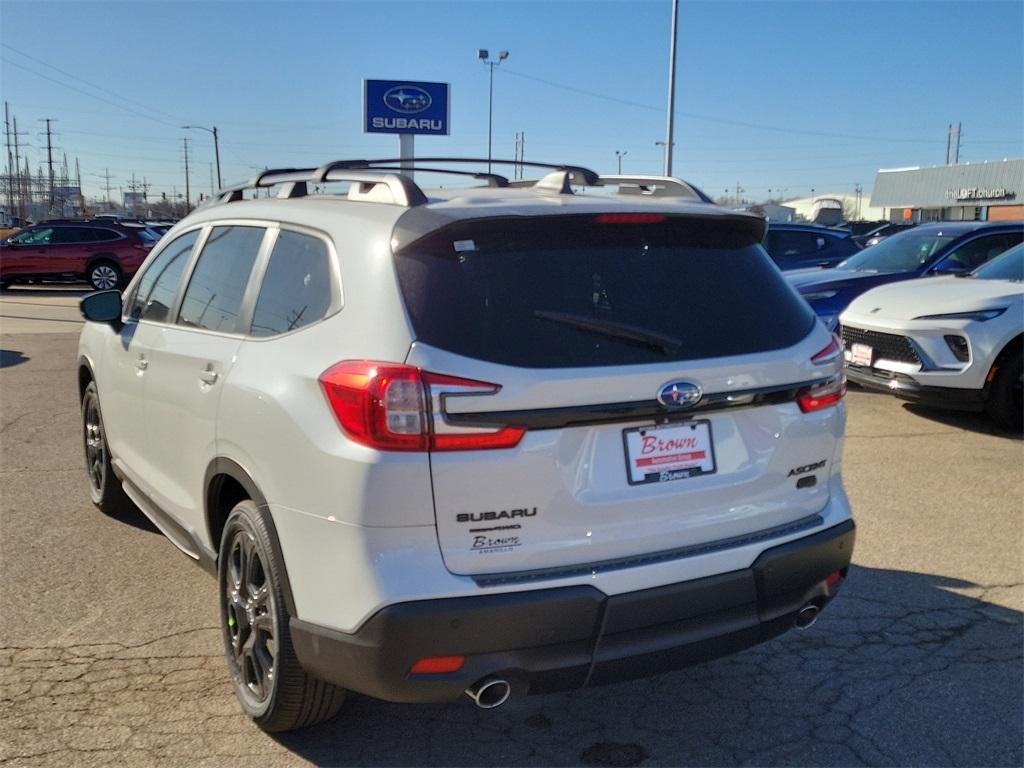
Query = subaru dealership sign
x=405 y=106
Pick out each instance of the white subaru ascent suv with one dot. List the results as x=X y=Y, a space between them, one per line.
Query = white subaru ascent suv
x=486 y=440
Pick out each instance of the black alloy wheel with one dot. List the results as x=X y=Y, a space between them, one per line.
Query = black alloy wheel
x=272 y=687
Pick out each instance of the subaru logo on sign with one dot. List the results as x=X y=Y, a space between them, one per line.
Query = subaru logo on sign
x=407 y=99
x=677 y=395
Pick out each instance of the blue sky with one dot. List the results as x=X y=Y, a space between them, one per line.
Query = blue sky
x=781 y=95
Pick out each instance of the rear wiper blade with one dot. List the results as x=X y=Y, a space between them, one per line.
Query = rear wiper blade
x=662 y=342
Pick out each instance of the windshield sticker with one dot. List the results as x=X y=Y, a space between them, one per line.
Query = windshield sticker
x=462 y=246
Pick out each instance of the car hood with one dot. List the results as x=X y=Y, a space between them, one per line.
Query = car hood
x=805 y=280
x=935 y=296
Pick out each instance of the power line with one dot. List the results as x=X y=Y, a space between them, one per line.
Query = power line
x=85 y=93
x=709 y=118
x=86 y=82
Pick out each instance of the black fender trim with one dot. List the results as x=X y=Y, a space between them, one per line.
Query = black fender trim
x=226 y=467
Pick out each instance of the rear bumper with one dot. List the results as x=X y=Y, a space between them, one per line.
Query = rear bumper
x=569 y=637
x=907 y=388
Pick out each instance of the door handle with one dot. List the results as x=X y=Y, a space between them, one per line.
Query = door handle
x=141 y=362
x=208 y=376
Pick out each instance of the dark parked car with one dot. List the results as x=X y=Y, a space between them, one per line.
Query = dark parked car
x=103 y=254
x=946 y=248
x=877 y=234
x=797 y=246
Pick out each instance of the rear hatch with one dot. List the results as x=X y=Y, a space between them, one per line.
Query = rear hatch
x=642 y=372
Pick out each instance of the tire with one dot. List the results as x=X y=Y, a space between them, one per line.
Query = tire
x=104 y=488
x=104 y=276
x=1005 y=403
x=269 y=682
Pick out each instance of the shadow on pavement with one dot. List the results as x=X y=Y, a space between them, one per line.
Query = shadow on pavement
x=973 y=422
x=902 y=669
x=131 y=515
x=11 y=357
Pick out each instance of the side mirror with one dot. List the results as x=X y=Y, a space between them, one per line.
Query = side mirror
x=102 y=307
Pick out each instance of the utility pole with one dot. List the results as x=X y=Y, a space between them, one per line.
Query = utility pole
x=107 y=176
x=953 y=150
x=188 y=205
x=520 y=148
x=10 y=163
x=49 y=163
x=17 y=167
x=669 y=140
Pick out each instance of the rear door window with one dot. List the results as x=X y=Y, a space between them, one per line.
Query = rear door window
x=296 y=289
x=572 y=291
x=213 y=299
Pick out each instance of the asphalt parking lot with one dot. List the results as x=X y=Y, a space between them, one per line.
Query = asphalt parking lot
x=110 y=653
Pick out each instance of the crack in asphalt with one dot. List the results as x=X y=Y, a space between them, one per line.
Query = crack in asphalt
x=833 y=696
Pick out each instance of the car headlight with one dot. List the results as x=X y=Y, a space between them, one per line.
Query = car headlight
x=819 y=295
x=980 y=315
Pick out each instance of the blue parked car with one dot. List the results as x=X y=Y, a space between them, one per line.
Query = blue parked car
x=942 y=248
x=798 y=246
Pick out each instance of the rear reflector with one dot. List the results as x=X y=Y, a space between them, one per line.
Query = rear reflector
x=629 y=218
x=434 y=665
x=833 y=578
x=385 y=406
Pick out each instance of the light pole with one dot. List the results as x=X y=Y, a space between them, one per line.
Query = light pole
x=484 y=56
x=216 y=147
x=670 y=127
x=620 y=155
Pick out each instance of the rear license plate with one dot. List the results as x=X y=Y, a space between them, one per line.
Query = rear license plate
x=669 y=452
x=861 y=354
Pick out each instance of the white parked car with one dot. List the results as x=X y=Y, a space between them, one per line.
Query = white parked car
x=510 y=438
x=955 y=342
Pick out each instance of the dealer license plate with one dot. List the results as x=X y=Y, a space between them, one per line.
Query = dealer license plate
x=861 y=354
x=669 y=452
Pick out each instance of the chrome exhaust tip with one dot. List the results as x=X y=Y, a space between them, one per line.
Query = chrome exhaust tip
x=806 y=617
x=489 y=693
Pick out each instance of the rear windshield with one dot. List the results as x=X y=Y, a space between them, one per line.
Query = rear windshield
x=572 y=291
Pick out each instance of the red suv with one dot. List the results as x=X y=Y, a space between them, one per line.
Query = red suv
x=104 y=255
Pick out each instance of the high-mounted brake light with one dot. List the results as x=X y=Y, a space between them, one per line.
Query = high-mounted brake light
x=385 y=406
x=629 y=218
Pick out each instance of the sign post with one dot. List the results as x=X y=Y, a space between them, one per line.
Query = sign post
x=408 y=108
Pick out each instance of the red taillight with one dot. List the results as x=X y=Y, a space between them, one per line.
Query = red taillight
x=629 y=218
x=830 y=391
x=823 y=395
x=385 y=406
x=433 y=665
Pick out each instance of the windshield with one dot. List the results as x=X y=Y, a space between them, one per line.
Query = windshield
x=903 y=252
x=1009 y=265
